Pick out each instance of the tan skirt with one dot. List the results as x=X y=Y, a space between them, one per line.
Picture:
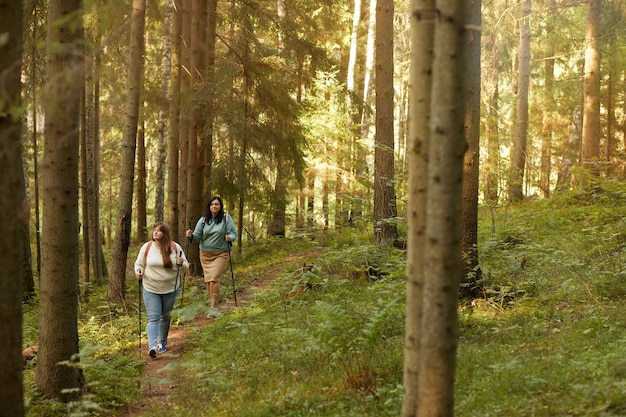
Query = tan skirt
x=213 y=264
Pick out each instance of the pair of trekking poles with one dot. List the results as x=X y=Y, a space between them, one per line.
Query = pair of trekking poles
x=140 y=282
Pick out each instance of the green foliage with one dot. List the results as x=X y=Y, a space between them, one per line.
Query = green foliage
x=112 y=378
x=554 y=347
x=109 y=358
x=320 y=335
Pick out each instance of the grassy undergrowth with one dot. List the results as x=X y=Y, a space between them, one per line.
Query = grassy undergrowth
x=325 y=336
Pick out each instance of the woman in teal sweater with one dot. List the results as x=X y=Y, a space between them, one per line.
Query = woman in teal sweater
x=216 y=232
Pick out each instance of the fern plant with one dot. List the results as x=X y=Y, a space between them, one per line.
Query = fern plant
x=348 y=339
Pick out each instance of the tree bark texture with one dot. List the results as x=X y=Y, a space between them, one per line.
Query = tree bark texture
x=350 y=82
x=591 y=114
x=141 y=184
x=34 y=104
x=547 y=114
x=470 y=271
x=58 y=286
x=15 y=211
x=438 y=340
x=422 y=35
x=117 y=281
x=166 y=71
x=385 y=229
x=88 y=159
x=492 y=136
x=84 y=198
x=185 y=120
x=172 y=212
x=195 y=176
x=516 y=180
x=93 y=173
x=571 y=151
x=207 y=143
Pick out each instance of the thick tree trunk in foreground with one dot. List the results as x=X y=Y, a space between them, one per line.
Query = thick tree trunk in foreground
x=15 y=212
x=422 y=34
x=58 y=289
x=438 y=341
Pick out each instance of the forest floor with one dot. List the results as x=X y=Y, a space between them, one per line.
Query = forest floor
x=157 y=386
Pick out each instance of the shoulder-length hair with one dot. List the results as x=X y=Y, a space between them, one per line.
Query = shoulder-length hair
x=166 y=243
x=208 y=216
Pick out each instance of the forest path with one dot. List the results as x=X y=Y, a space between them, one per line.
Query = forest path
x=157 y=384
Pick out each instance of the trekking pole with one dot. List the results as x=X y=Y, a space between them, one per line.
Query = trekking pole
x=139 y=309
x=182 y=295
x=232 y=275
x=177 y=270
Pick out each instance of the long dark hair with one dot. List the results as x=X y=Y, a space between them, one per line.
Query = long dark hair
x=166 y=244
x=208 y=216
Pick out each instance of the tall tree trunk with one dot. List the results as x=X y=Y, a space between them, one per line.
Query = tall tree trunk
x=207 y=144
x=91 y=188
x=174 y=120
x=350 y=82
x=279 y=202
x=402 y=123
x=87 y=158
x=341 y=209
x=623 y=127
x=571 y=151
x=58 y=327
x=546 y=124
x=300 y=204
x=385 y=229
x=422 y=34
x=492 y=136
x=117 y=281
x=243 y=180
x=185 y=120
x=242 y=176
x=29 y=284
x=277 y=226
x=361 y=170
x=93 y=176
x=325 y=191
x=14 y=212
x=354 y=110
x=443 y=212
x=141 y=184
x=518 y=159
x=611 y=104
x=310 y=202
x=591 y=114
x=369 y=68
x=195 y=159
x=470 y=271
x=86 y=96
x=166 y=70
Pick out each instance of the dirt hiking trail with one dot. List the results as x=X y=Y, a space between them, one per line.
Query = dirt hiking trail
x=156 y=385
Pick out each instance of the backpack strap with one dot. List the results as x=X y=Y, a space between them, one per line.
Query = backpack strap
x=145 y=254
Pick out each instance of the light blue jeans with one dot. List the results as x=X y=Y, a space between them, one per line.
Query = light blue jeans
x=159 y=310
